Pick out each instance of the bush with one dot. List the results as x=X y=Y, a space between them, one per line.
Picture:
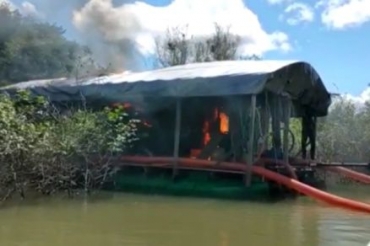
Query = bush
x=46 y=150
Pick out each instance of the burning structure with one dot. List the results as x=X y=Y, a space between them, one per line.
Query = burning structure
x=215 y=110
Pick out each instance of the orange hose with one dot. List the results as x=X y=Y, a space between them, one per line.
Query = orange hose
x=291 y=183
x=357 y=176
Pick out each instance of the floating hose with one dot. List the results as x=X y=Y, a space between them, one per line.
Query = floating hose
x=318 y=195
x=357 y=176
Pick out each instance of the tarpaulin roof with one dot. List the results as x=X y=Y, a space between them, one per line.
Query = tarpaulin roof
x=225 y=78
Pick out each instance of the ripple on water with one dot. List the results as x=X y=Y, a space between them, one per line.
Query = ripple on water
x=340 y=227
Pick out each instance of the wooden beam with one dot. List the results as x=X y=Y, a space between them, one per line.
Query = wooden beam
x=275 y=122
x=177 y=138
x=248 y=174
x=266 y=120
x=287 y=112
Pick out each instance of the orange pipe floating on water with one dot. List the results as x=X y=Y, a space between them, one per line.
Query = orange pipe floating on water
x=357 y=176
x=289 y=182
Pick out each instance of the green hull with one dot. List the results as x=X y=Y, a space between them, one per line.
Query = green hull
x=192 y=184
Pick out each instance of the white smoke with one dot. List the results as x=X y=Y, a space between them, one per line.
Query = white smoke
x=109 y=31
x=116 y=32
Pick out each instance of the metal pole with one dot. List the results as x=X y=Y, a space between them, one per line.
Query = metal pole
x=177 y=138
x=287 y=110
x=248 y=174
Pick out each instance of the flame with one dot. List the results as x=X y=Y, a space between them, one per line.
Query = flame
x=206 y=134
x=223 y=120
x=224 y=123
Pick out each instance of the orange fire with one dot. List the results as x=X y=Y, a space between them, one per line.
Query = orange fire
x=224 y=123
x=223 y=119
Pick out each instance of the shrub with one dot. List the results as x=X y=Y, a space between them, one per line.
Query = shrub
x=46 y=150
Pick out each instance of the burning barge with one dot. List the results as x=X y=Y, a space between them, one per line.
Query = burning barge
x=213 y=115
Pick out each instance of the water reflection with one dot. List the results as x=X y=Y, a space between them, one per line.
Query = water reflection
x=133 y=220
x=341 y=228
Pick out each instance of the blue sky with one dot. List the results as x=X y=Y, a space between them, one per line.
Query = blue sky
x=332 y=35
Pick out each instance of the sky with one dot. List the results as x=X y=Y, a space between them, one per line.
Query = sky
x=332 y=35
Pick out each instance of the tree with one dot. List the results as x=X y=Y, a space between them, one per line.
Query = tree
x=343 y=135
x=31 y=49
x=174 y=49
x=178 y=48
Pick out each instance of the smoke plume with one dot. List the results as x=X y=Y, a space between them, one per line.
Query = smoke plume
x=110 y=33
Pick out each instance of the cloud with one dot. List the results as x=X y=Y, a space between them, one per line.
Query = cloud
x=361 y=99
x=295 y=12
x=276 y=2
x=300 y=12
x=341 y=14
x=25 y=8
x=9 y=3
x=146 y=22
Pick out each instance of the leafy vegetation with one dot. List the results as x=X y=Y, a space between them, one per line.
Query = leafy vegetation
x=31 y=49
x=47 y=150
x=344 y=135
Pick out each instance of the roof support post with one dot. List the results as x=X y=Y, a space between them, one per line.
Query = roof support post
x=275 y=122
x=287 y=114
x=250 y=159
x=176 y=138
x=266 y=121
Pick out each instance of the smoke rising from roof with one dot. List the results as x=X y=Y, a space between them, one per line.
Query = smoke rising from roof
x=109 y=31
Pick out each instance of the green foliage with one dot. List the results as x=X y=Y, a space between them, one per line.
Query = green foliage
x=121 y=131
x=344 y=135
x=44 y=149
x=31 y=49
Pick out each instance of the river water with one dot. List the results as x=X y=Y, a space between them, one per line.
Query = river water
x=136 y=220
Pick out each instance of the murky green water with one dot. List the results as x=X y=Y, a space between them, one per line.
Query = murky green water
x=131 y=220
